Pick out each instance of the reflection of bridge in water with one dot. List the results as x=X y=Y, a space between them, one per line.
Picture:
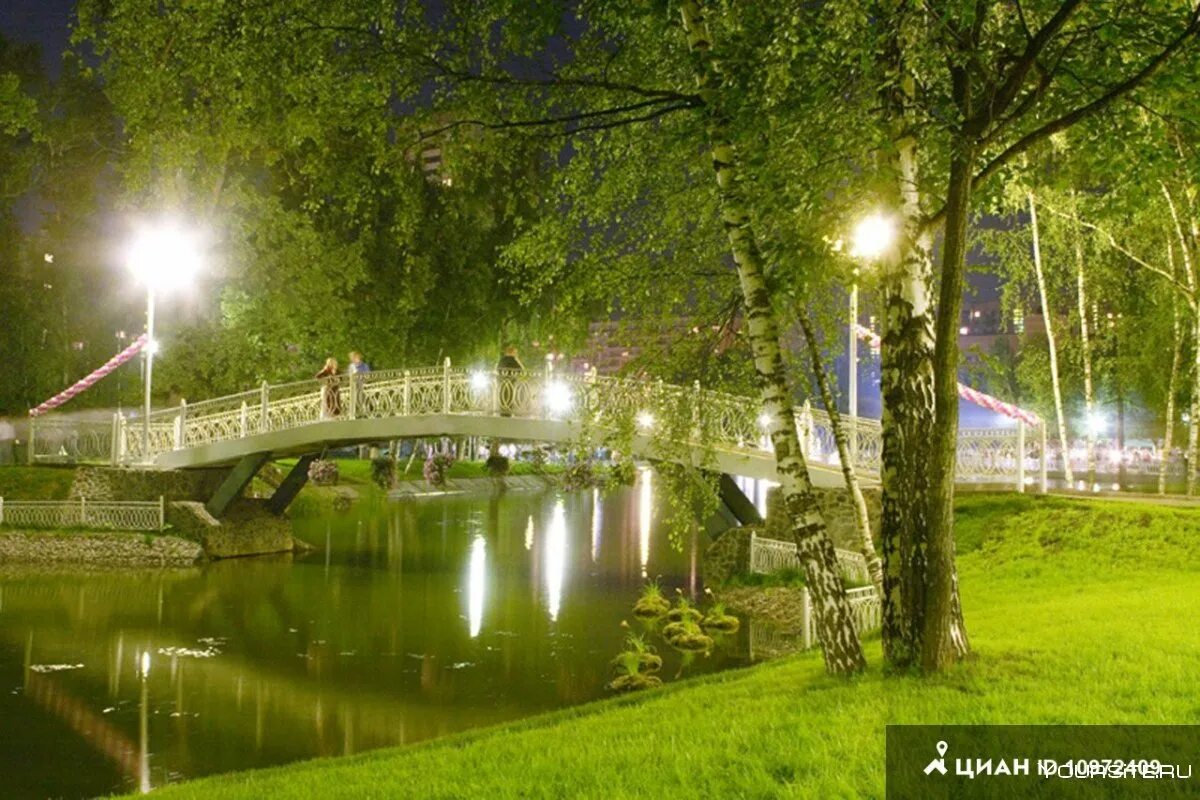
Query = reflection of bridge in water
x=655 y=421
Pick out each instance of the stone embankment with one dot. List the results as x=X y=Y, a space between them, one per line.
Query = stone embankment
x=108 y=549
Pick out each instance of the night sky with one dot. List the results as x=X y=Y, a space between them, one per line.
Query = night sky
x=42 y=22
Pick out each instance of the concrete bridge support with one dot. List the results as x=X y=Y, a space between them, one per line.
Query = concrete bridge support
x=292 y=484
x=235 y=483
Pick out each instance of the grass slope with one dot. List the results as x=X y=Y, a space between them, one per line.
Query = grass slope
x=36 y=483
x=1079 y=612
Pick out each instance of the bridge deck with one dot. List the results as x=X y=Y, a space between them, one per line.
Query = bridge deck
x=653 y=420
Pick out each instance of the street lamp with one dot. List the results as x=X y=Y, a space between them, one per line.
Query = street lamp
x=873 y=237
x=163 y=257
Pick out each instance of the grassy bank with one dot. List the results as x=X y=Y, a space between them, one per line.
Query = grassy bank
x=36 y=483
x=1079 y=612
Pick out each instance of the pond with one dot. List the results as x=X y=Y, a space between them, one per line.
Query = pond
x=409 y=620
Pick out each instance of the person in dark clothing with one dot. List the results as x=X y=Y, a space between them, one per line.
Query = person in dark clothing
x=508 y=367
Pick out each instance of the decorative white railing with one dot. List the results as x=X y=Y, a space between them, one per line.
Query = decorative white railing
x=69 y=440
x=712 y=420
x=773 y=555
x=84 y=513
x=769 y=640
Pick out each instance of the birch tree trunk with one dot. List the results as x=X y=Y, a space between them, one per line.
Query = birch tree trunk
x=834 y=624
x=861 y=517
x=906 y=387
x=1054 y=382
x=1089 y=399
x=1190 y=277
x=1194 y=413
x=1172 y=384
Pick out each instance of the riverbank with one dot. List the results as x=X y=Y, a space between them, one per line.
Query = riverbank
x=103 y=549
x=1058 y=595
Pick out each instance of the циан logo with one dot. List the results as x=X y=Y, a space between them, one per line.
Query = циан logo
x=938 y=764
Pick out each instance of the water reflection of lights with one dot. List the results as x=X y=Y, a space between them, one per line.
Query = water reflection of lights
x=529 y=533
x=556 y=558
x=597 y=523
x=645 y=502
x=476 y=583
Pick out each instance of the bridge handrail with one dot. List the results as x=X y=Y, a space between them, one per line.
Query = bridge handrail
x=720 y=421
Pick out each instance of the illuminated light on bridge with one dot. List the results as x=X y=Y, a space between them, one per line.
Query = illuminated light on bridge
x=645 y=420
x=476 y=584
x=765 y=421
x=558 y=398
x=480 y=381
x=556 y=558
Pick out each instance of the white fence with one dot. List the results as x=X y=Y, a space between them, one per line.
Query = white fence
x=83 y=513
x=769 y=640
x=773 y=555
x=686 y=414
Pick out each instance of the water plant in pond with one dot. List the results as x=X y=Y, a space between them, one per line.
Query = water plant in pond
x=651 y=602
x=648 y=660
x=683 y=610
x=688 y=636
x=718 y=618
x=630 y=676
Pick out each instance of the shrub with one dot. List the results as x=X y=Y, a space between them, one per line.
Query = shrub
x=383 y=472
x=437 y=468
x=323 y=472
x=580 y=475
x=496 y=465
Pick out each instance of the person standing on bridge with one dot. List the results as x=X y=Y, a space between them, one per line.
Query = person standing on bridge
x=508 y=366
x=331 y=391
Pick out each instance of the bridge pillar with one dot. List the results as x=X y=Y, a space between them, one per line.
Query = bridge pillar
x=237 y=480
x=742 y=508
x=291 y=485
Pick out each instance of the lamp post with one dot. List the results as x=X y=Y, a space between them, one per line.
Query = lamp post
x=873 y=236
x=163 y=257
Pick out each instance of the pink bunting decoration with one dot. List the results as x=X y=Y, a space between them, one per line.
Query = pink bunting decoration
x=87 y=383
x=966 y=392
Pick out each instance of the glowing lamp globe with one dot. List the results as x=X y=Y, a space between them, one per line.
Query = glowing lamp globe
x=873 y=236
x=164 y=257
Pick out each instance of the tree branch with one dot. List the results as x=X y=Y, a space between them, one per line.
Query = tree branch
x=1081 y=112
x=1011 y=85
x=1186 y=291
x=566 y=119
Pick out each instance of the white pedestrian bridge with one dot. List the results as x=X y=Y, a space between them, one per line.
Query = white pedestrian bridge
x=653 y=420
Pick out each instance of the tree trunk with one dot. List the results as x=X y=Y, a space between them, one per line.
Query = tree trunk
x=944 y=640
x=834 y=624
x=1194 y=414
x=1064 y=448
x=1189 y=273
x=1164 y=463
x=1089 y=399
x=906 y=388
x=865 y=543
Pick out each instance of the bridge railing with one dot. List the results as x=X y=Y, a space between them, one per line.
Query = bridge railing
x=693 y=416
x=69 y=440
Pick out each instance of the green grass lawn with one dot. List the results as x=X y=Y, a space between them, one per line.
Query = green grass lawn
x=36 y=483
x=1079 y=612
